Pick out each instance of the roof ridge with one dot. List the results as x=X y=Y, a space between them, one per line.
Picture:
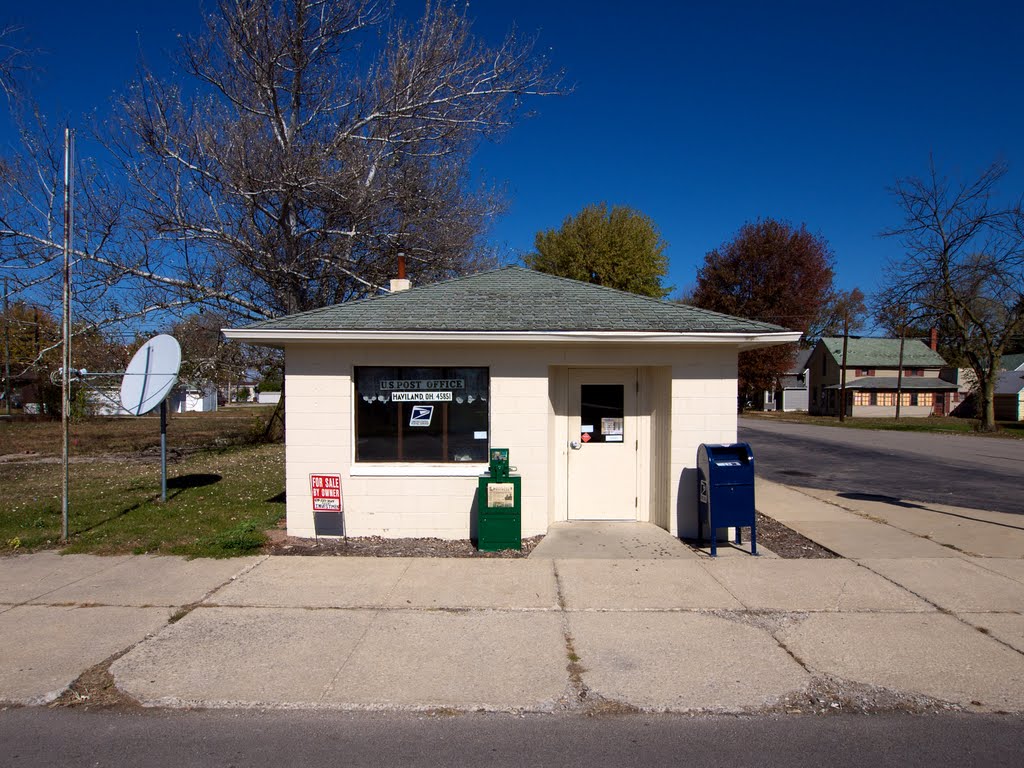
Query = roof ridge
x=378 y=297
x=619 y=291
x=537 y=301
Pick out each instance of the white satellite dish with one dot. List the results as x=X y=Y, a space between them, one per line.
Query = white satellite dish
x=151 y=374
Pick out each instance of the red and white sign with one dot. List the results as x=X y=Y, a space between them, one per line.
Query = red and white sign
x=326 y=492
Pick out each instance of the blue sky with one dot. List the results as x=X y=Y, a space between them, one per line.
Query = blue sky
x=702 y=115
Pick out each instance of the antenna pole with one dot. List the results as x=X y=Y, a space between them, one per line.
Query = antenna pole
x=163 y=450
x=65 y=379
x=7 y=350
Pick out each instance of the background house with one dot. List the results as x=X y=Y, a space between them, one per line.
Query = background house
x=1013 y=362
x=241 y=391
x=1009 y=396
x=792 y=391
x=872 y=378
x=193 y=398
x=105 y=401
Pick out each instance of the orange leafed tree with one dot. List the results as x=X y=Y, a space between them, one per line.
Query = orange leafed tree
x=774 y=272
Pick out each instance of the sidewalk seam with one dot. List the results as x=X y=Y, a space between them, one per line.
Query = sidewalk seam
x=578 y=689
x=771 y=633
x=939 y=608
x=359 y=641
x=68 y=584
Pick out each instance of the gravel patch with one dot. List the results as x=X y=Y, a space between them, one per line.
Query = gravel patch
x=378 y=546
x=783 y=541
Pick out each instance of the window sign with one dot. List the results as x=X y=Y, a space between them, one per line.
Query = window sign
x=611 y=426
x=407 y=385
x=421 y=414
x=421 y=397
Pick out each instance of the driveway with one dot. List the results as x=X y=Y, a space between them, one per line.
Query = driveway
x=959 y=470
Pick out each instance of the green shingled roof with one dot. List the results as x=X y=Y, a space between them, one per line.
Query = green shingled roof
x=1012 y=362
x=862 y=352
x=893 y=382
x=514 y=299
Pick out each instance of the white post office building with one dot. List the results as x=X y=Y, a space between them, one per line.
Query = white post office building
x=602 y=398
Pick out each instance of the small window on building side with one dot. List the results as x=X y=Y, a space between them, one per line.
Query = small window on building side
x=436 y=415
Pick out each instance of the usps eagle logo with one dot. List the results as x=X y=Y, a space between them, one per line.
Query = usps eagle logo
x=421 y=415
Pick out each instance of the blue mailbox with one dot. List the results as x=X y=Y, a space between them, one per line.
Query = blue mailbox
x=725 y=479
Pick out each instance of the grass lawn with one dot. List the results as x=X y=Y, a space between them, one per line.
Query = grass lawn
x=104 y=435
x=946 y=424
x=221 y=495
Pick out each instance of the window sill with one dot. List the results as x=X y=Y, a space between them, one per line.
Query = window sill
x=455 y=469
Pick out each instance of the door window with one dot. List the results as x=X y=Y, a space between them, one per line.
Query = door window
x=602 y=413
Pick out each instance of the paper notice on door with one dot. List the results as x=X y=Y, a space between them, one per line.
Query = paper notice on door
x=587 y=428
x=611 y=427
x=613 y=438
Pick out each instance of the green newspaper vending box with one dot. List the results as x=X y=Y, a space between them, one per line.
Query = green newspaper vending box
x=499 y=498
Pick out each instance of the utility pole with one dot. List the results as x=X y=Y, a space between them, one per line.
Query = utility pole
x=65 y=379
x=842 y=369
x=899 y=370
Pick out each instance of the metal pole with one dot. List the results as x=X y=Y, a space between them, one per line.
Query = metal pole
x=842 y=379
x=65 y=379
x=163 y=451
x=7 y=350
x=899 y=372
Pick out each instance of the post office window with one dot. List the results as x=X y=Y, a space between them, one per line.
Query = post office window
x=414 y=414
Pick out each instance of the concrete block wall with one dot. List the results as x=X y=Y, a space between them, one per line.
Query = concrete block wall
x=703 y=411
x=407 y=500
x=403 y=500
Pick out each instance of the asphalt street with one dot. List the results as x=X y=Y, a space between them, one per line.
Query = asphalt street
x=40 y=737
x=960 y=470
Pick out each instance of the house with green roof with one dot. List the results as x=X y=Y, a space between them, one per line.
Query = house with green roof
x=873 y=379
x=602 y=397
x=1013 y=362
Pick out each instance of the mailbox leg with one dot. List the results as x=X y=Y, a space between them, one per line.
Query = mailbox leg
x=753 y=537
x=714 y=538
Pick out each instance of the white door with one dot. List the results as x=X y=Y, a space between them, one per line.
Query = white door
x=602 y=444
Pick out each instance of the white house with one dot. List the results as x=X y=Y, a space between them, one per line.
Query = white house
x=268 y=398
x=1009 y=396
x=792 y=391
x=602 y=398
x=192 y=398
x=105 y=401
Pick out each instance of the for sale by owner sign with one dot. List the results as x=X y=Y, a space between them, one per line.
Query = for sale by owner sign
x=326 y=492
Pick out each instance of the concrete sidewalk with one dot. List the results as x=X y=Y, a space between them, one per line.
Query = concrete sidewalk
x=919 y=626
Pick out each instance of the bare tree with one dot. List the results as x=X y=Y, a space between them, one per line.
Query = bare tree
x=964 y=267
x=306 y=144
x=13 y=61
